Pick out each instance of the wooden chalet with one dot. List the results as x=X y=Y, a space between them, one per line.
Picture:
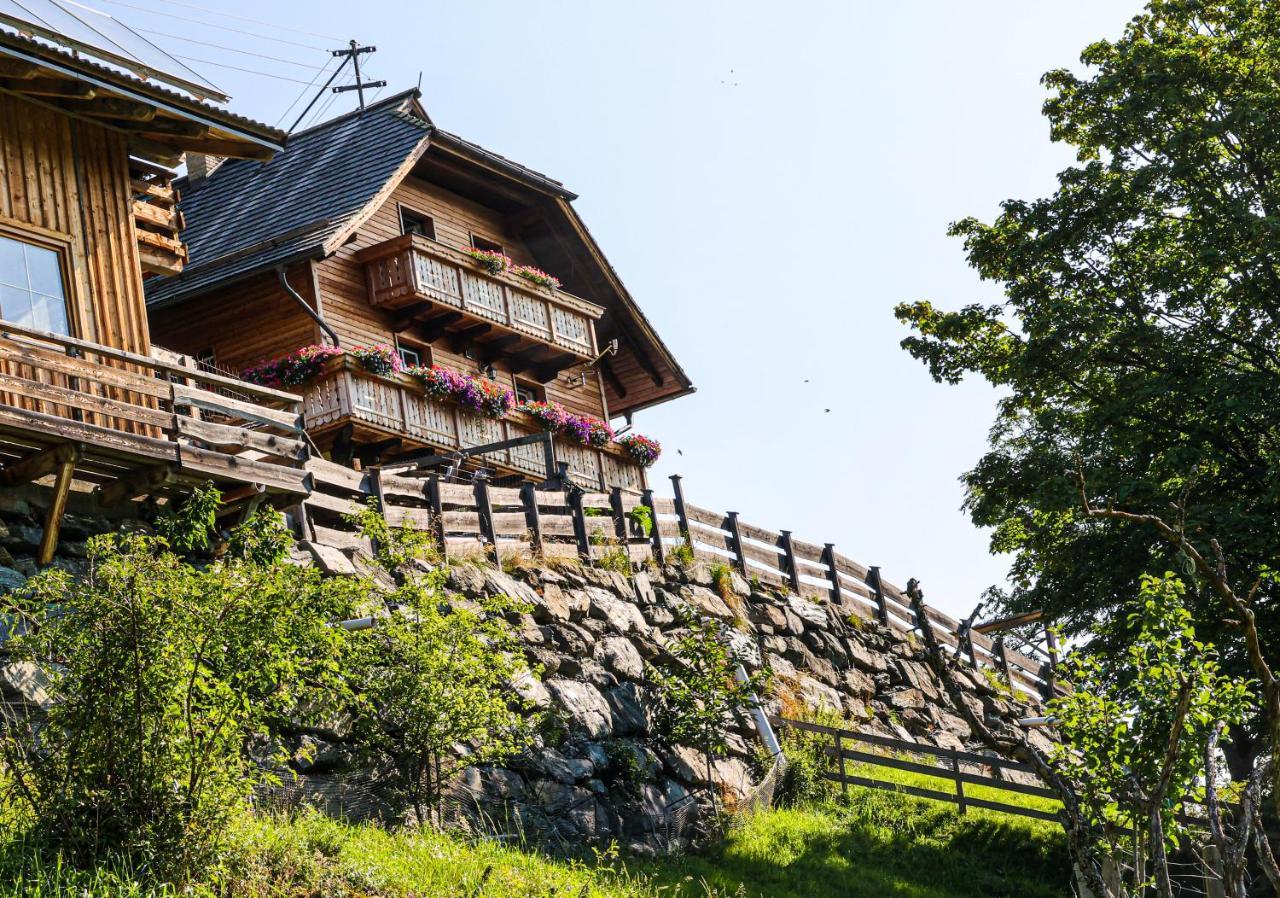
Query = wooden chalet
x=86 y=207
x=356 y=234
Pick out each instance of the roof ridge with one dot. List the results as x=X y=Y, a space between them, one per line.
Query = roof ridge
x=412 y=92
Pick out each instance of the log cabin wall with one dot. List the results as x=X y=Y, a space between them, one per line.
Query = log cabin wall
x=66 y=182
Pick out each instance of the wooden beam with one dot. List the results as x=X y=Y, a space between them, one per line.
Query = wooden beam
x=17 y=68
x=606 y=368
x=459 y=340
x=112 y=107
x=435 y=328
x=548 y=371
x=39 y=464
x=213 y=146
x=524 y=361
x=1008 y=623
x=161 y=128
x=408 y=315
x=496 y=348
x=57 y=507
x=51 y=87
x=151 y=151
x=136 y=483
x=645 y=361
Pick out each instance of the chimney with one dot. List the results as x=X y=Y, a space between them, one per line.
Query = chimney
x=200 y=166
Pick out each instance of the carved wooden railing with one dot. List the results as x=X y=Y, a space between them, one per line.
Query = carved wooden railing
x=397 y=404
x=412 y=269
x=127 y=410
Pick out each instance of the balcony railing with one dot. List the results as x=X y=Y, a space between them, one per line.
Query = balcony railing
x=397 y=405
x=414 y=271
x=130 y=414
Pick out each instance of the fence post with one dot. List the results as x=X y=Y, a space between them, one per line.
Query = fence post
x=1213 y=885
x=683 y=515
x=1051 y=645
x=437 y=513
x=1002 y=653
x=873 y=580
x=532 y=517
x=844 y=783
x=793 y=570
x=955 y=766
x=619 y=515
x=736 y=537
x=829 y=559
x=968 y=644
x=659 y=551
x=579 y=523
x=485 y=509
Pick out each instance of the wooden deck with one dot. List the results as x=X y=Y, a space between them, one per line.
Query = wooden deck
x=397 y=406
x=137 y=425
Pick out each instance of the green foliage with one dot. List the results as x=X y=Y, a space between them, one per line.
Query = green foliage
x=1139 y=326
x=189 y=526
x=682 y=555
x=264 y=540
x=804 y=781
x=395 y=548
x=642 y=519
x=159 y=674
x=614 y=558
x=699 y=694
x=1135 y=728
x=722 y=578
x=432 y=674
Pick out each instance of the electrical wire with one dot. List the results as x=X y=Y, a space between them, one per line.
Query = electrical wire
x=190 y=40
x=318 y=115
x=229 y=15
x=223 y=65
x=171 y=15
x=302 y=93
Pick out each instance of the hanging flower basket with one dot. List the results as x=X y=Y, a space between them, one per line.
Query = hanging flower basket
x=490 y=260
x=381 y=359
x=293 y=369
x=582 y=429
x=476 y=394
x=550 y=416
x=643 y=450
x=537 y=276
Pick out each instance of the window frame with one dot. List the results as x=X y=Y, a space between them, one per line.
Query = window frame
x=63 y=245
x=401 y=209
x=536 y=390
x=422 y=350
x=493 y=245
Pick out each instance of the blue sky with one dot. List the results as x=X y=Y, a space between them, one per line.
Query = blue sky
x=769 y=180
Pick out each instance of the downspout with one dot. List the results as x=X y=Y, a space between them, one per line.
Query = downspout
x=315 y=316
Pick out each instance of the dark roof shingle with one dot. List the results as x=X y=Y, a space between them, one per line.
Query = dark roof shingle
x=251 y=215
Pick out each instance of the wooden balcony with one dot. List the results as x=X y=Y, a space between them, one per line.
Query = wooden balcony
x=397 y=406
x=443 y=292
x=134 y=425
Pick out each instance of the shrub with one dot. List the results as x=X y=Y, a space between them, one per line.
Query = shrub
x=159 y=674
x=641 y=518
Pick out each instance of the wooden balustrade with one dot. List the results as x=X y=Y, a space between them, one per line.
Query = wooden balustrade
x=398 y=405
x=130 y=413
x=412 y=270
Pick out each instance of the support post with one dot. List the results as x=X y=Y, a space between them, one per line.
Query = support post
x=619 y=516
x=877 y=588
x=793 y=569
x=579 y=523
x=40 y=463
x=1213 y=885
x=57 y=506
x=659 y=550
x=437 y=514
x=484 y=506
x=681 y=514
x=532 y=516
x=1002 y=653
x=829 y=559
x=955 y=767
x=844 y=783
x=735 y=535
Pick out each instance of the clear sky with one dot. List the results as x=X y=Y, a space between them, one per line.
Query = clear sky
x=769 y=179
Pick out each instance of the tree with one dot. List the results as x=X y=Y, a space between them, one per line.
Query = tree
x=1139 y=330
x=1132 y=747
x=699 y=694
x=159 y=675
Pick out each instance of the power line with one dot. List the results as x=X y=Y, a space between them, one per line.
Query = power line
x=223 y=65
x=171 y=15
x=302 y=93
x=191 y=40
x=223 y=13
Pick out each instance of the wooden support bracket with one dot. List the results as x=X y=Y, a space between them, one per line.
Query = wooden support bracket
x=136 y=483
x=40 y=463
x=57 y=506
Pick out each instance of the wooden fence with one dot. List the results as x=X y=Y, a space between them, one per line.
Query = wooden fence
x=961 y=768
x=478 y=518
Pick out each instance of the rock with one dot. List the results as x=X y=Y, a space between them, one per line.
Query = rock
x=554 y=605
x=553 y=764
x=794 y=623
x=816 y=694
x=732 y=776
x=11 y=580
x=629 y=710
x=330 y=560
x=686 y=764
x=622 y=616
x=618 y=654
x=864 y=658
x=807 y=611
x=586 y=707
x=742 y=646
x=768 y=615
x=659 y=616
x=643 y=588
x=857 y=683
x=532 y=690
x=706 y=603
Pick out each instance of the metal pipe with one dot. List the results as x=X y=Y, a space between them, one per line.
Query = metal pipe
x=763 y=727
x=297 y=297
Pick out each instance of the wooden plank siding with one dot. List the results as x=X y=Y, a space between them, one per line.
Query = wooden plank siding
x=68 y=182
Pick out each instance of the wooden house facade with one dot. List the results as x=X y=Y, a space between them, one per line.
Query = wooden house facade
x=359 y=234
x=87 y=209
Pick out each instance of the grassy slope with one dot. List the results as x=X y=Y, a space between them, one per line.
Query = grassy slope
x=874 y=844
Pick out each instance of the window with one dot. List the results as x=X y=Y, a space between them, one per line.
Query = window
x=416 y=223
x=32 y=290
x=478 y=242
x=527 y=392
x=412 y=356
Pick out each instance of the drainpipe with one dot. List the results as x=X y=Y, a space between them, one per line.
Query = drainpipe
x=284 y=282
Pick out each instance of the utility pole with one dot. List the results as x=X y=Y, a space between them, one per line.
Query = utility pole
x=353 y=53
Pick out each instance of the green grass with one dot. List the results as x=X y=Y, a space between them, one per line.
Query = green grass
x=868 y=844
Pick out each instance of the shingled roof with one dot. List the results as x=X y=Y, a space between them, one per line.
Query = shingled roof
x=252 y=215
